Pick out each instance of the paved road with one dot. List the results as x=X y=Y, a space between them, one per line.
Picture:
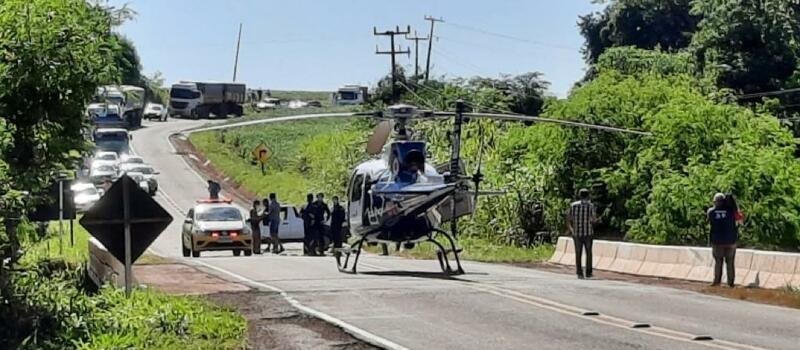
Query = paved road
x=491 y=307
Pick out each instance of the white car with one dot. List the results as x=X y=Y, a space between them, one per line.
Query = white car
x=216 y=225
x=129 y=159
x=139 y=179
x=107 y=156
x=85 y=195
x=149 y=173
x=155 y=111
x=103 y=171
x=291 y=228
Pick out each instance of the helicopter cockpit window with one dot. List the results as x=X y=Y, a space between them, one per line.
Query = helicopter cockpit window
x=357 y=188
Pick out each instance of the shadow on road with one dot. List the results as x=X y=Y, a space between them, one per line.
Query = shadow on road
x=420 y=274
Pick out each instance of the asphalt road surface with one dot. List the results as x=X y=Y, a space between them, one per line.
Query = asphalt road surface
x=401 y=303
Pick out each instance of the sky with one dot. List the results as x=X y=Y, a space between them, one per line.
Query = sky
x=322 y=45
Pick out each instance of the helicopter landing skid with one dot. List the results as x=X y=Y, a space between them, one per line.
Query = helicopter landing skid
x=441 y=254
x=356 y=248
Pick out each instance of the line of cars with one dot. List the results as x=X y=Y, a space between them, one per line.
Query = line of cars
x=109 y=162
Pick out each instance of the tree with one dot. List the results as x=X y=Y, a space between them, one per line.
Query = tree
x=749 y=46
x=127 y=61
x=55 y=54
x=645 y=24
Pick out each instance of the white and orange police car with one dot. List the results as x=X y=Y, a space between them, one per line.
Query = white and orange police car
x=213 y=225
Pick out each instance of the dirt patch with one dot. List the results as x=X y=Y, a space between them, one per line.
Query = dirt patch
x=182 y=279
x=274 y=324
x=779 y=297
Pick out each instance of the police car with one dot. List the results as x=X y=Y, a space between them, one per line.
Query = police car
x=214 y=225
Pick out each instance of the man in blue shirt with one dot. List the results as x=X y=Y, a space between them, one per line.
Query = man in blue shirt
x=723 y=238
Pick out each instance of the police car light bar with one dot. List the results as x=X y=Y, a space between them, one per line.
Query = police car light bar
x=220 y=200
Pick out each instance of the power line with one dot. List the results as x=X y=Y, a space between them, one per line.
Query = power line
x=430 y=44
x=767 y=93
x=416 y=40
x=393 y=52
x=511 y=37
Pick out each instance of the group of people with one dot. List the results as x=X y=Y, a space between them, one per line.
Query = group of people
x=267 y=212
x=723 y=218
x=315 y=213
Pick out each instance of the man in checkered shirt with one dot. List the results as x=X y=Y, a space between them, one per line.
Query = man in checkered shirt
x=580 y=221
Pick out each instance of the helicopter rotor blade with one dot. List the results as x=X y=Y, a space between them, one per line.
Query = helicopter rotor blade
x=379 y=137
x=529 y=118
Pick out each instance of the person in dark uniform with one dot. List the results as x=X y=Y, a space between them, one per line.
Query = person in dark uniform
x=337 y=220
x=724 y=236
x=255 y=220
x=322 y=213
x=306 y=213
x=213 y=189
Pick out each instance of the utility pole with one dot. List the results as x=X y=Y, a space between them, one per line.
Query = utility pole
x=430 y=45
x=236 y=62
x=393 y=52
x=416 y=40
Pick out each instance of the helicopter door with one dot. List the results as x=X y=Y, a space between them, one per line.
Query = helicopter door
x=355 y=201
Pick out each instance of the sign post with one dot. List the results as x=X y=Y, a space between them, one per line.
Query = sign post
x=261 y=153
x=129 y=210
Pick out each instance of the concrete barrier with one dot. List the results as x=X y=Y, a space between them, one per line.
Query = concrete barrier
x=753 y=268
x=103 y=267
x=561 y=248
x=569 y=252
x=782 y=270
x=603 y=254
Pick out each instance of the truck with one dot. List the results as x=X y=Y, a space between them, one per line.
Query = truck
x=129 y=101
x=349 y=95
x=194 y=99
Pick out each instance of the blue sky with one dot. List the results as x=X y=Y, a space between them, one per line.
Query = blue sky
x=321 y=45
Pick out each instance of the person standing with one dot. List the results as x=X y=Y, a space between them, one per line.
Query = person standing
x=337 y=220
x=255 y=221
x=580 y=222
x=275 y=223
x=322 y=213
x=723 y=237
x=306 y=213
x=213 y=189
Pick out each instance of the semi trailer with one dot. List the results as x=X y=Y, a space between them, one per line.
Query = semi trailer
x=195 y=100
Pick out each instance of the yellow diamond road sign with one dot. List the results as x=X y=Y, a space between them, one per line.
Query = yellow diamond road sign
x=262 y=153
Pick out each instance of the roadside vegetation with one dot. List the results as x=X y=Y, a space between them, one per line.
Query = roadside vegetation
x=55 y=53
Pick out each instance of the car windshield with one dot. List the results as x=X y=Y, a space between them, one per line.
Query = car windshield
x=111 y=136
x=104 y=168
x=107 y=156
x=86 y=191
x=134 y=160
x=219 y=214
x=155 y=108
x=144 y=170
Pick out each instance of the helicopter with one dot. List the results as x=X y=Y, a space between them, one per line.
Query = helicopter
x=399 y=197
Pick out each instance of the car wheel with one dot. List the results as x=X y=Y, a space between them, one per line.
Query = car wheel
x=195 y=253
x=237 y=252
x=248 y=252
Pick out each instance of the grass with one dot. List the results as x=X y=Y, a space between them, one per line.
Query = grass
x=50 y=291
x=324 y=97
x=58 y=247
x=283 y=171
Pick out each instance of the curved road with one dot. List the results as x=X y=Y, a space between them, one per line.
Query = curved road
x=491 y=307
